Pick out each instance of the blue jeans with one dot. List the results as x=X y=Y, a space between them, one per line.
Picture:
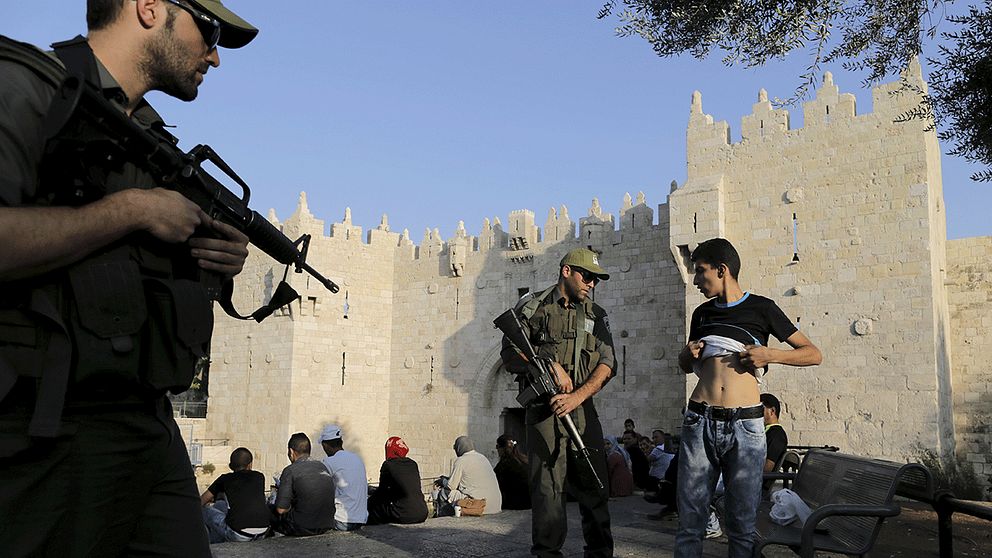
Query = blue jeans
x=216 y=519
x=710 y=447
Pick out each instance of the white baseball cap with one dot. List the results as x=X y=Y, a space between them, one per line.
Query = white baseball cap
x=330 y=432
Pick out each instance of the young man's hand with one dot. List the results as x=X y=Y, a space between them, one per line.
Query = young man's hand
x=690 y=353
x=755 y=356
x=695 y=348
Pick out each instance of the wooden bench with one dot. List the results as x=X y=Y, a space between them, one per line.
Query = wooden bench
x=850 y=497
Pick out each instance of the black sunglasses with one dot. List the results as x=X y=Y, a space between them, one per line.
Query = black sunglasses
x=587 y=276
x=209 y=26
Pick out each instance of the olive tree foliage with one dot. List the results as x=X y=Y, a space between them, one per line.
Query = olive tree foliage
x=877 y=38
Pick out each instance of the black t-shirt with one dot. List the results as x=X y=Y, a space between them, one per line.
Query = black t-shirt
x=398 y=498
x=749 y=320
x=776 y=441
x=640 y=469
x=512 y=477
x=245 y=493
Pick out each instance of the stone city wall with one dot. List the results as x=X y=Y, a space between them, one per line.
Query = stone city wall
x=407 y=347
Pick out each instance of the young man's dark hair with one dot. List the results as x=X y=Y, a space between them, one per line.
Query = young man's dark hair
x=299 y=442
x=770 y=401
x=336 y=443
x=716 y=251
x=241 y=458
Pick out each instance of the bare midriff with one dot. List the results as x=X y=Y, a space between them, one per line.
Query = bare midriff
x=724 y=382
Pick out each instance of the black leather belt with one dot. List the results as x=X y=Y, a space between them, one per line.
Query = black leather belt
x=725 y=413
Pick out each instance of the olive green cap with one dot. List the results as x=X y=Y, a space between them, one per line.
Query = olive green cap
x=234 y=31
x=587 y=260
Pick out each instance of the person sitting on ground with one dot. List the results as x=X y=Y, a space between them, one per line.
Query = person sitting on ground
x=351 y=488
x=646 y=447
x=628 y=428
x=471 y=477
x=512 y=474
x=305 y=501
x=398 y=499
x=618 y=465
x=638 y=463
x=659 y=458
x=667 y=494
x=239 y=513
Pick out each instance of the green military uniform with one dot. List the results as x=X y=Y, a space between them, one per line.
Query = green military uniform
x=577 y=336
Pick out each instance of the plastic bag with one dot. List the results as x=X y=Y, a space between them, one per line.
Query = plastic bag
x=787 y=507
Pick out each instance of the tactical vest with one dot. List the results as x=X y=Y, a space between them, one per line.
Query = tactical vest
x=129 y=319
x=584 y=357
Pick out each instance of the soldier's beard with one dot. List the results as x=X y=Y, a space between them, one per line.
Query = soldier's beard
x=168 y=66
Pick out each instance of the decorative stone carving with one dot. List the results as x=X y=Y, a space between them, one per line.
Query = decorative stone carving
x=794 y=195
x=864 y=326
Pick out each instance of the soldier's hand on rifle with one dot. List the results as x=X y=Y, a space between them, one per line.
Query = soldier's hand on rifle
x=564 y=380
x=564 y=403
x=168 y=216
x=225 y=255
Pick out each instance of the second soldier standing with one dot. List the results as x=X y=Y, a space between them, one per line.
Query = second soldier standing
x=571 y=330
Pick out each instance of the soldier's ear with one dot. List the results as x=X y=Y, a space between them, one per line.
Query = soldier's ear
x=151 y=13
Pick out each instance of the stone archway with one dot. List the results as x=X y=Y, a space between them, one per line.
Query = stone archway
x=493 y=391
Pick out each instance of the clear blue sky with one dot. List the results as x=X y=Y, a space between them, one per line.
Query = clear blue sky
x=435 y=112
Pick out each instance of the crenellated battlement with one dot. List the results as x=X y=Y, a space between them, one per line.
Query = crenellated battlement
x=521 y=232
x=828 y=107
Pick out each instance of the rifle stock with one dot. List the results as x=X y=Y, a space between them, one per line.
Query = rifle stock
x=541 y=381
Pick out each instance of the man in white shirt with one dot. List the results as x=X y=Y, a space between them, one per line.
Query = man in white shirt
x=350 y=481
x=659 y=459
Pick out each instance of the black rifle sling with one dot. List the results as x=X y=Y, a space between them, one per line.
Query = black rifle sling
x=284 y=295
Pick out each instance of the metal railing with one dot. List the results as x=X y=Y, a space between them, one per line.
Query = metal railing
x=946 y=505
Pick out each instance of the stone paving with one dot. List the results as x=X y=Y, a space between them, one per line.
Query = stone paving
x=503 y=535
x=506 y=535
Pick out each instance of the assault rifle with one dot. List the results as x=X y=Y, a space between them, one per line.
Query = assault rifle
x=541 y=380
x=81 y=122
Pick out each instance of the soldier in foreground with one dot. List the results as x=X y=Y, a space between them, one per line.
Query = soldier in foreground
x=102 y=310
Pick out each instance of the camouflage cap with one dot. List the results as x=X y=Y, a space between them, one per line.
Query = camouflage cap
x=586 y=259
x=234 y=31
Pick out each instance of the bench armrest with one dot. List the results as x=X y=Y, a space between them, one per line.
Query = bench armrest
x=828 y=510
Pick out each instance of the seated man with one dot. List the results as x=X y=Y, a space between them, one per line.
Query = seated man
x=776 y=439
x=638 y=462
x=351 y=487
x=472 y=476
x=305 y=501
x=659 y=458
x=240 y=513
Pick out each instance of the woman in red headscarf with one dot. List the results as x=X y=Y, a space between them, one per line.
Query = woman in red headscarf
x=399 y=498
